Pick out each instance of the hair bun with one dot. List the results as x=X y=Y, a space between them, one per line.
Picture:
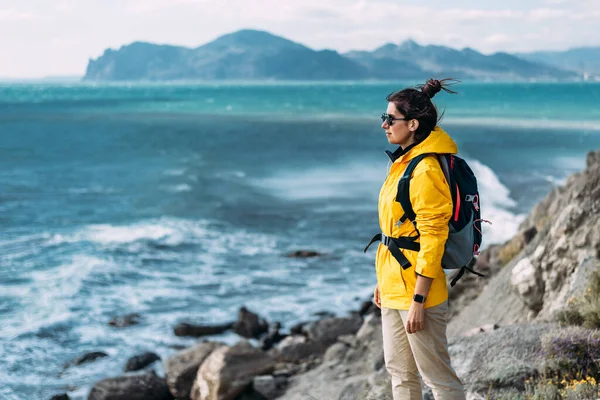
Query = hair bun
x=431 y=87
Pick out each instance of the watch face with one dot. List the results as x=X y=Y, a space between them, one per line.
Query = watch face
x=418 y=298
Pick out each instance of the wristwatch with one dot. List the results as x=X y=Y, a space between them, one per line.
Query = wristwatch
x=417 y=298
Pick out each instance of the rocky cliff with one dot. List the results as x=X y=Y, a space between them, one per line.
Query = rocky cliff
x=557 y=248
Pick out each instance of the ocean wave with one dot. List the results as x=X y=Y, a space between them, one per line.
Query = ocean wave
x=327 y=182
x=92 y=190
x=170 y=232
x=49 y=296
x=182 y=187
x=174 y=172
x=22 y=246
x=496 y=206
x=109 y=234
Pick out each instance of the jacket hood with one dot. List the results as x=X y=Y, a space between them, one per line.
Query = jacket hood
x=438 y=142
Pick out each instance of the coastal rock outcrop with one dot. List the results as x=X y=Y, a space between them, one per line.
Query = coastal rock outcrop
x=181 y=369
x=228 y=371
x=131 y=387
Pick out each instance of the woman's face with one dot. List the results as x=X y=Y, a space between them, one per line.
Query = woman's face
x=400 y=132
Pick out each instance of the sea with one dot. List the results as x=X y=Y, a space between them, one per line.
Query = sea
x=180 y=201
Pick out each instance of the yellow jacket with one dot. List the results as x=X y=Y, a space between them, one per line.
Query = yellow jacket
x=432 y=203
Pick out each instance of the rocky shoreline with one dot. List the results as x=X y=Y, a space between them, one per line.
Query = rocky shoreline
x=213 y=370
x=503 y=330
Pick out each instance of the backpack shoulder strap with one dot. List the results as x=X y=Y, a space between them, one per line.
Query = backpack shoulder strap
x=443 y=159
x=403 y=195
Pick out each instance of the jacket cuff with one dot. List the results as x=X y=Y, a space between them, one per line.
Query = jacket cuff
x=426 y=273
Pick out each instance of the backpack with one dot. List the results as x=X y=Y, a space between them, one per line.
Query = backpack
x=464 y=236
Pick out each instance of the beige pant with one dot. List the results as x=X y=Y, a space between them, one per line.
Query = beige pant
x=425 y=352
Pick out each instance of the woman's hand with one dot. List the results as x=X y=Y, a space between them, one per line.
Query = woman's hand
x=416 y=317
x=376 y=296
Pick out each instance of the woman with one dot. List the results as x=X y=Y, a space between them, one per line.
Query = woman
x=414 y=299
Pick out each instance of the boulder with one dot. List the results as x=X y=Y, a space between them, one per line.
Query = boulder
x=249 y=324
x=368 y=307
x=140 y=361
x=304 y=254
x=296 y=348
x=191 y=330
x=298 y=328
x=326 y=331
x=62 y=396
x=324 y=314
x=181 y=369
x=131 y=387
x=125 y=320
x=335 y=353
x=87 y=358
x=266 y=386
x=272 y=338
x=527 y=281
x=228 y=371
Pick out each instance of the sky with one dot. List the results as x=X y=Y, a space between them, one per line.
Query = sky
x=40 y=38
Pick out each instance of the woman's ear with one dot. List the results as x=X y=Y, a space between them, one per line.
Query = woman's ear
x=413 y=125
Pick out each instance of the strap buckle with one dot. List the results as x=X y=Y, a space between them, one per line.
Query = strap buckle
x=385 y=240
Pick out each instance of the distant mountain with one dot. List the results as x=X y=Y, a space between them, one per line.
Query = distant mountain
x=410 y=59
x=583 y=59
x=245 y=54
x=258 y=55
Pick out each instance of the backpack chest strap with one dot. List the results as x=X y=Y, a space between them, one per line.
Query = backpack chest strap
x=394 y=245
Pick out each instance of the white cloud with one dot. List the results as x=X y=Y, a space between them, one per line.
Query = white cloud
x=549 y=13
x=10 y=14
x=497 y=39
x=143 y=6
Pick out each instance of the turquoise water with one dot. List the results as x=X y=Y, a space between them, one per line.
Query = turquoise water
x=509 y=104
x=178 y=202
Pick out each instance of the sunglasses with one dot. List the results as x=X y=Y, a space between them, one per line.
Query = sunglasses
x=385 y=117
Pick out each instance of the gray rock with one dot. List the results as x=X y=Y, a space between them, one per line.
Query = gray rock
x=326 y=331
x=335 y=353
x=298 y=328
x=296 y=348
x=132 y=387
x=324 y=314
x=228 y=371
x=181 y=369
x=368 y=307
x=266 y=386
x=88 y=358
x=529 y=234
x=62 y=396
x=527 y=281
x=191 y=330
x=249 y=324
x=125 y=320
x=272 y=338
x=503 y=358
x=140 y=361
x=304 y=254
